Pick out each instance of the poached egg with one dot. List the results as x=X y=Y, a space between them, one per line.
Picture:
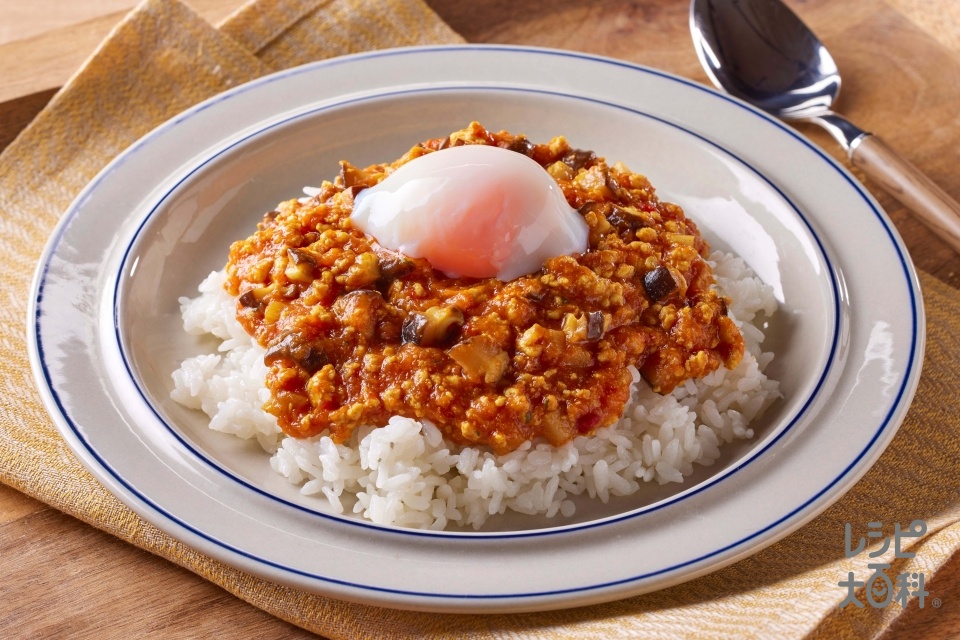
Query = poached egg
x=474 y=211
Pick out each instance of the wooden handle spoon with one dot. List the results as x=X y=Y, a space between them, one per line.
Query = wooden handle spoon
x=761 y=52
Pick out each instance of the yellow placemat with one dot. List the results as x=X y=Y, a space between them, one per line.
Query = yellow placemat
x=161 y=60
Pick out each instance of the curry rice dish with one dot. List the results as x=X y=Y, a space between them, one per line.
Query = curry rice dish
x=621 y=364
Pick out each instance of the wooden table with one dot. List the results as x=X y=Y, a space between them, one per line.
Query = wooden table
x=61 y=577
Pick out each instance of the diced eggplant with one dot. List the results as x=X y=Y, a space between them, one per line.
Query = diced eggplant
x=624 y=218
x=434 y=327
x=595 y=325
x=360 y=310
x=292 y=347
x=412 y=331
x=521 y=145
x=393 y=266
x=577 y=159
x=659 y=283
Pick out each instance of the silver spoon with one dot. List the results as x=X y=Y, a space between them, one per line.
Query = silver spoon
x=761 y=52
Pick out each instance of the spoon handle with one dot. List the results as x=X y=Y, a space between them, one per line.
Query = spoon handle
x=910 y=186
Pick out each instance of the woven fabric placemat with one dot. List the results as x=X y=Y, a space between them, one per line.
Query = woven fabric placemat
x=163 y=59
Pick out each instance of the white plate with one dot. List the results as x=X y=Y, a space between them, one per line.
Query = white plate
x=105 y=333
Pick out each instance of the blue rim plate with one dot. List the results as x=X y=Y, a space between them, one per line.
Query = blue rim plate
x=105 y=333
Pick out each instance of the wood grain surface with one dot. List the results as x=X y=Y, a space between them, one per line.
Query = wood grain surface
x=901 y=65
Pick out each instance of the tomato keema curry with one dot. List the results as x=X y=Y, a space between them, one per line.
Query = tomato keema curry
x=356 y=333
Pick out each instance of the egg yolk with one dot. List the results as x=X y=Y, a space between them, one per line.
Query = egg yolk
x=472 y=211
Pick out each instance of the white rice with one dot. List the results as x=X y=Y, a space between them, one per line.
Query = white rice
x=407 y=474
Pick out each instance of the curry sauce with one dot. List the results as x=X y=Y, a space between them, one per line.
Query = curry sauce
x=355 y=333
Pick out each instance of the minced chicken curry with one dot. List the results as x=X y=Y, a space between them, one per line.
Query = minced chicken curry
x=355 y=333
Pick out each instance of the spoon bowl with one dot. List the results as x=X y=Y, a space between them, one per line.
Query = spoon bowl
x=780 y=66
x=761 y=52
